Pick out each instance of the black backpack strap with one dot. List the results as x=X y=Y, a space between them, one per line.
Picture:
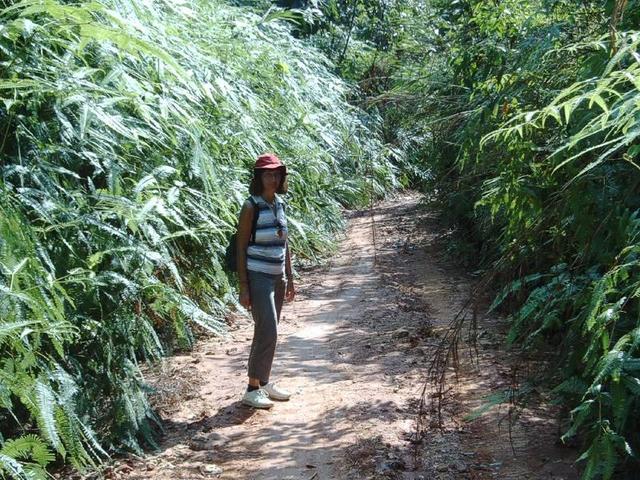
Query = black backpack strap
x=254 y=224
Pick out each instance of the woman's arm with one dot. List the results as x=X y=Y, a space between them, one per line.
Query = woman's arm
x=291 y=291
x=244 y=233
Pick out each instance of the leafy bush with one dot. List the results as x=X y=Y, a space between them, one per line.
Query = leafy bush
x=530 y=130
x=129 y=129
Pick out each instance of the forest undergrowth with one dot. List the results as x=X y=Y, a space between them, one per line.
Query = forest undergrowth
x=129 y=127
x=521 y=123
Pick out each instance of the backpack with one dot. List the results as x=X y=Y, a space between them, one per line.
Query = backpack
x=231 y=253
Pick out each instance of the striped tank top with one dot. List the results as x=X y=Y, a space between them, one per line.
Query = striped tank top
x=266 y=253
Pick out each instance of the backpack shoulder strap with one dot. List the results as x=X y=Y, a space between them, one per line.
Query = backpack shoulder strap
x=256 y=214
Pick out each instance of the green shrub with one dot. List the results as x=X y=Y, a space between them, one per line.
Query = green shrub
x=129 y=130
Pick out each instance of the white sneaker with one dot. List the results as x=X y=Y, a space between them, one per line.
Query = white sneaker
x=276 y=393
x=257 y=399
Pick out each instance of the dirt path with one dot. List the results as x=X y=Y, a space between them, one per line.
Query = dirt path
x=353 y=348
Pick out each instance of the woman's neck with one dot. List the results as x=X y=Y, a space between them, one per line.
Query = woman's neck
x=269 y=197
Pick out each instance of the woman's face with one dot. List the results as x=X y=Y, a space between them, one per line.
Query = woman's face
x=271 y=180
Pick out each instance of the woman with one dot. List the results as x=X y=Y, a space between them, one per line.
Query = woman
x=264 y=262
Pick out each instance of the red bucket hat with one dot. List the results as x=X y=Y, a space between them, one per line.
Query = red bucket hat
x=269 y=161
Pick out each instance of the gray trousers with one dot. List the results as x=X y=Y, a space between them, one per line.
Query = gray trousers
x=267 y=294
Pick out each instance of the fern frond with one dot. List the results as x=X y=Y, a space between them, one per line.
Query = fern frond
x=13 y=468
x=46 y=404
x=28 y=447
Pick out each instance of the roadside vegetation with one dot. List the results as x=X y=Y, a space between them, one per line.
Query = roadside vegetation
x=128 y=133
x=521 y=121
x=128 y=130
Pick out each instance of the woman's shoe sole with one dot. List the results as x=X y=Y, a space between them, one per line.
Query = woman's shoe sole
x=279 y=399
x=262 y=407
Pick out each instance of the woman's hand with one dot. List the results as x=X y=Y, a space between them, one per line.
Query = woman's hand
x=245 y=297
x=290 y=293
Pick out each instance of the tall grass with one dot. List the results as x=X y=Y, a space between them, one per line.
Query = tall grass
x=128 y=131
